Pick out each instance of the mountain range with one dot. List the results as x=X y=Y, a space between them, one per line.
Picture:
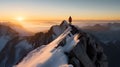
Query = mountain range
x=89 y=51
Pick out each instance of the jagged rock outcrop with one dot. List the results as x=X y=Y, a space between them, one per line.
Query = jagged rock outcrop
x=88 y=52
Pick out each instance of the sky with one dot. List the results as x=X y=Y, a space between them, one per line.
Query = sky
x=40 y=15
x=59 y=9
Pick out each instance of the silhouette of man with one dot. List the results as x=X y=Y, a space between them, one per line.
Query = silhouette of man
x=70 y=20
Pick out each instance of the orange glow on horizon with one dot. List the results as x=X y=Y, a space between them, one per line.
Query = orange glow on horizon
x=21 y=18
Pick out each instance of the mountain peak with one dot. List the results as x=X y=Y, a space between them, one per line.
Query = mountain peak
x=64 y=23
x=6 y=30
x=87 y=52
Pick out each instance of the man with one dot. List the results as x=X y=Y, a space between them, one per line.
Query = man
x=70 y=20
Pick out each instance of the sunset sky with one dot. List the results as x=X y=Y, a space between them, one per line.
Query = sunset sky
x=59 y=9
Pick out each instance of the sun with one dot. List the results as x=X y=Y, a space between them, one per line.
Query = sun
x=20 y=18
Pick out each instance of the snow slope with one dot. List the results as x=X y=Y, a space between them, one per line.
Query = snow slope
x=61 y=46
x=3 y=41
x=46 y=56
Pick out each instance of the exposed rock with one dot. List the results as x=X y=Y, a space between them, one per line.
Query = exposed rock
x=88 y=52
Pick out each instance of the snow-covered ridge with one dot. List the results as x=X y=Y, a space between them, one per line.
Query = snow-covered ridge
x=43 y=57
x=63 y=45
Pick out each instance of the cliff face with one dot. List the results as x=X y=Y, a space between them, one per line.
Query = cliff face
x=87 y=53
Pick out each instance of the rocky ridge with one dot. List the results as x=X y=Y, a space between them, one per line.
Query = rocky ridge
x=88 y=52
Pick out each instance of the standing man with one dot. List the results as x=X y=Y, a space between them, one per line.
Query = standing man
x=70 y=20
